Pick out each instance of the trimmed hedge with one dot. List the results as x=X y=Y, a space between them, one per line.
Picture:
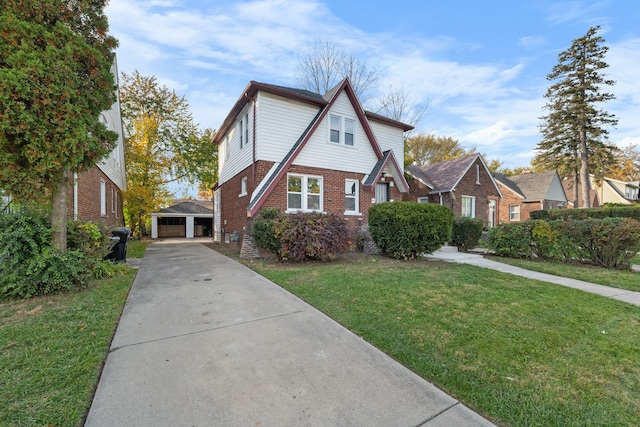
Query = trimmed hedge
x=408 y=229
x=466 y=233
x=614 y=211
x=606 y=242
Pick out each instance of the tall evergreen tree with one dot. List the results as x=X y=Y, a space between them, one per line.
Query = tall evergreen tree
x=55 y=80
x=575 y=134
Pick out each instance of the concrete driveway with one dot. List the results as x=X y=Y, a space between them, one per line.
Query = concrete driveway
x=205 y=341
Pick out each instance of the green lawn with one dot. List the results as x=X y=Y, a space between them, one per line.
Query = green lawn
x=137 y=248
x=629 y=280
x=521 y=352
x=51 y=352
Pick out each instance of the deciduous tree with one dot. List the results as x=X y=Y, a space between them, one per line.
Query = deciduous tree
x=574 y=131
x=55 y=80
x=426 y=148
x=162 y=145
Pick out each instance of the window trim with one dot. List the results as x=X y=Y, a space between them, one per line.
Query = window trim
x=473 y=206
x=512 y=213
x=342 y=130
x=478 y=174
x=243 y=186
x=423 y=200
x=355 y=196
x=103 y=198
x=304 y=196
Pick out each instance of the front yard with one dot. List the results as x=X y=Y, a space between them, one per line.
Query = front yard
x=521 y=352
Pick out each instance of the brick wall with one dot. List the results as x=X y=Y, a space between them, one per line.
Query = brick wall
x=88 y=195
x=233 y=207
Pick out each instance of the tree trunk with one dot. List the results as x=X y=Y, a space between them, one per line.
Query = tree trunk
x=59 y=214
x=584 y=170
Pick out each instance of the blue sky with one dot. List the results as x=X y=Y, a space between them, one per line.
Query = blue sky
x=480 y=65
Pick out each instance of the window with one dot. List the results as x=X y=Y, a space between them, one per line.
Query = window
x=304 y=193
x=382 y=192
x=243 y=186
x=243 y=130
x=351 y=187
x=478 y=174
x=423 y=200
x=469 y=206
x=225 y=146
x=103 y=198
x=113 y=200
x=334 y=133
x=514 y=212
x=342 y=130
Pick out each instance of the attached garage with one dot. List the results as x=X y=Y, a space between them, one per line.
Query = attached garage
x=187 y=219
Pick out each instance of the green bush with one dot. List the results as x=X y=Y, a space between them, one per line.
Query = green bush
x=28 y=264
x=466 y=233
x=263 y=231
x=512 y=240
x=92 y=239
x=610 y=242
x=311 y=236
x=606 y=211
x=407 y=229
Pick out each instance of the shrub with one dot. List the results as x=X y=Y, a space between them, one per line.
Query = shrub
x=29 y=266
x=606 y=211
x=512 y=240
x=263 y=232
x=611 y=242
x=466 y=233
x=311 y=236
x=92 y=239
x=408 y=229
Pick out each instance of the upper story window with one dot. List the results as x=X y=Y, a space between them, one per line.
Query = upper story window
x=351 y=196
x=304 y=193
x=243 y=130
x=468 y=206
x=342 y=130
x=478 y=174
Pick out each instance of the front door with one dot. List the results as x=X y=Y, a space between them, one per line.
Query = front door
x=382 y=192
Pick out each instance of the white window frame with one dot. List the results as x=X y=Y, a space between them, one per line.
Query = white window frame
x=352 y=183
x=113 y=200
x=342 y=130
x=513 y=213
x=225 y=144
x=423 y=199
x=478 y=174
x=304 y=195
x=243 y=186
x=243 y=130
x=471 y=214
x=103 y=198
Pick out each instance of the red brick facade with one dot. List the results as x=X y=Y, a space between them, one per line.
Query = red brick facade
x=88 y=196
x=510 y=199
x=481 y=187
x=234 y=221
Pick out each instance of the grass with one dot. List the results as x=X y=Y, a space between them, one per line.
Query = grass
x=51 y=352
x=616 y=278
x=137 y=248
x=519 y=351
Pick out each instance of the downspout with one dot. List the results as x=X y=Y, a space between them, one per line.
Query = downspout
x=253 y=163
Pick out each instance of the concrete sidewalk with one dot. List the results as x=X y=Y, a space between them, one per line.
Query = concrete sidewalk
x=452 y=255
x=205 y=341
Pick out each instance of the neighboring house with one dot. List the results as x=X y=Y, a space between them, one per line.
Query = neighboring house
x=569 y=185
x=186 y=218
x=464 y=184
x=608 y=191
x=522 y=194
x=616 y=191
x=299 y=151
x=96 y=194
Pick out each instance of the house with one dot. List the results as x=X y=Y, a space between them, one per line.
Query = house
x=299 y=151
x=185 y=218
x=96 y=194
x=569 y=186
x=615 y=191
x=464 y=184
x=522 y=194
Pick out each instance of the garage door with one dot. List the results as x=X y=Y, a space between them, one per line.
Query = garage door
x=172 y=227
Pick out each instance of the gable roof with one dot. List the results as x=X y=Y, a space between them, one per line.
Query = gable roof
x=276 y=173
x=530 y=186
x=301 y=95
x=190 y=207
x=389 y=161
x=445 y=176
x=568 y=185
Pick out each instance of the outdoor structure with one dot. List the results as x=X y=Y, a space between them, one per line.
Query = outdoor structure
x=615 y=191
x=96 y=194
x=569 y=186
x=522 y=194
x=464 y=184
x=299 y=151
x=186 y=218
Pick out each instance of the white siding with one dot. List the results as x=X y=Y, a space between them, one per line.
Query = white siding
x=556 y=192
x=390 y=138
x=237 y=159
x=321 y=153
x=113 y=165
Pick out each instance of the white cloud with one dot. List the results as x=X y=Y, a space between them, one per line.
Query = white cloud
x=532 y=41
